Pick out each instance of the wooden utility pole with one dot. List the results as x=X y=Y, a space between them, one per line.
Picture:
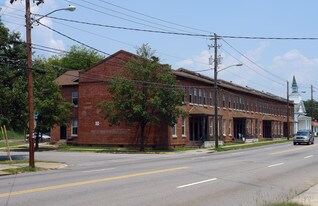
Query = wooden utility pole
x=30 y=82
x=216 y=118
x=287 y=110
x=312 y=107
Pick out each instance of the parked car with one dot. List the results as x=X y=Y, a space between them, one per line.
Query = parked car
x=304 y=136
x=44 y=137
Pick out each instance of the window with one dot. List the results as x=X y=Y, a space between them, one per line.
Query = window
x=210 y=98
x=190 y=94
x=184 y=95
x=224 y=127
x=183 y=127
x=230 y=127
x=204 y=97
x=200 y=96
x=195 y=95
x=211 y=127
x=74 y=127
x=223 y=100
x=75 y=98
x=174 y=130
x=230 y=102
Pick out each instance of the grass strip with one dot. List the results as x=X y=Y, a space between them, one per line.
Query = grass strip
x=248 y=145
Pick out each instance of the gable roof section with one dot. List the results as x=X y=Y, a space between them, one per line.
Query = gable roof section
x=68 y=78
x=115 y=55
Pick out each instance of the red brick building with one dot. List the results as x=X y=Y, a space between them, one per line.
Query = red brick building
x=243 y=112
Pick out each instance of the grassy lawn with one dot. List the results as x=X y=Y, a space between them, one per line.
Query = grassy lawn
x=235 y=146
x=107 y=149
x=22 y=170
x=284 y=204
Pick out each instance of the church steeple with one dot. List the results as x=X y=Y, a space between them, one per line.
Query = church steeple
x=294 y=85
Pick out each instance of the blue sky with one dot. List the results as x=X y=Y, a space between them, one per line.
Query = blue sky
x=270 y=62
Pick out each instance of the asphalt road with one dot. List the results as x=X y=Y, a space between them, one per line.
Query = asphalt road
x=243 y=177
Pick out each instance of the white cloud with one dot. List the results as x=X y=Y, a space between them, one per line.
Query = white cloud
x=40 y=34
x=197 y=62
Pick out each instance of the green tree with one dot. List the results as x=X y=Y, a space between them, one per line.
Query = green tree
x=13 y=84
x=78 y=58
x=146 y=93
x=307 y=104
x=48 y=101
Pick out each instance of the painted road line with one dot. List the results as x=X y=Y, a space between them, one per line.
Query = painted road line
x=291 y=150
x=195 y=183
x=99 y=170
x=274 y=165
x=74 y=184
x=309 y=156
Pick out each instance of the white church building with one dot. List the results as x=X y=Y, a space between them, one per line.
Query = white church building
x=300 y=120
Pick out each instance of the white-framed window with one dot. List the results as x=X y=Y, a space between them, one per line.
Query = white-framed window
x=200 y=96
x=230 y=127
x=204 y=97
x=210 y=98
x=195 y=95
x=184 y=95
x=223 y=100
x=190 y=94
x=183 y=127
x=75 y=98
x=211 y=127
x=174 y=130
x=224 y=127
x=74 y=127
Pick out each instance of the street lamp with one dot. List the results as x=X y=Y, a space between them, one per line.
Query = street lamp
x=216 y=118
x=30 y=78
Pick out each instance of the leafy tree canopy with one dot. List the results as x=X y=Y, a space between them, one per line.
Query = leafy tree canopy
x=78 y=58
x=146 y=93
x=307 y=104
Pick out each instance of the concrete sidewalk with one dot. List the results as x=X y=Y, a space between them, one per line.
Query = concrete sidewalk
x=309 y=197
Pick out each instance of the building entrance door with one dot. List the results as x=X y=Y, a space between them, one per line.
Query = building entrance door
x=239 y=127
x=198 y=127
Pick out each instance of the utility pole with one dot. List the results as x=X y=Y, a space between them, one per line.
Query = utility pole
x=30 y=78
x=216 y=118
x=287 y=110
x=312 y=107
x=30 y=82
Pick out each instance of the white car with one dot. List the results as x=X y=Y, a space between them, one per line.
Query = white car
x=43 y=137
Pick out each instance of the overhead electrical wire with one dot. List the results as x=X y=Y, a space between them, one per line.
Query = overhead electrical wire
x=279 y=83
x=99 y=6
x=243 y=55
x=155 y=18
x=102 y=12
x=129 y=28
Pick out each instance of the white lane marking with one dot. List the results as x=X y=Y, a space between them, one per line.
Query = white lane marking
x=274 y=165
x=99 y=170
x=308 y=156
x=197 y=158
x=195 y=183
x=237 y=153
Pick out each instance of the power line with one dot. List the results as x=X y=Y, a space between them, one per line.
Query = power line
x=279 y=83
x=77 y=41
x=115 y=16
x=129 y=28
x=269 y=38
x=253 y=61
x=155 y=18
x=115 y=11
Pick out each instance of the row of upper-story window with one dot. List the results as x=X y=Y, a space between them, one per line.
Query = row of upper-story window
x=229 y=100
